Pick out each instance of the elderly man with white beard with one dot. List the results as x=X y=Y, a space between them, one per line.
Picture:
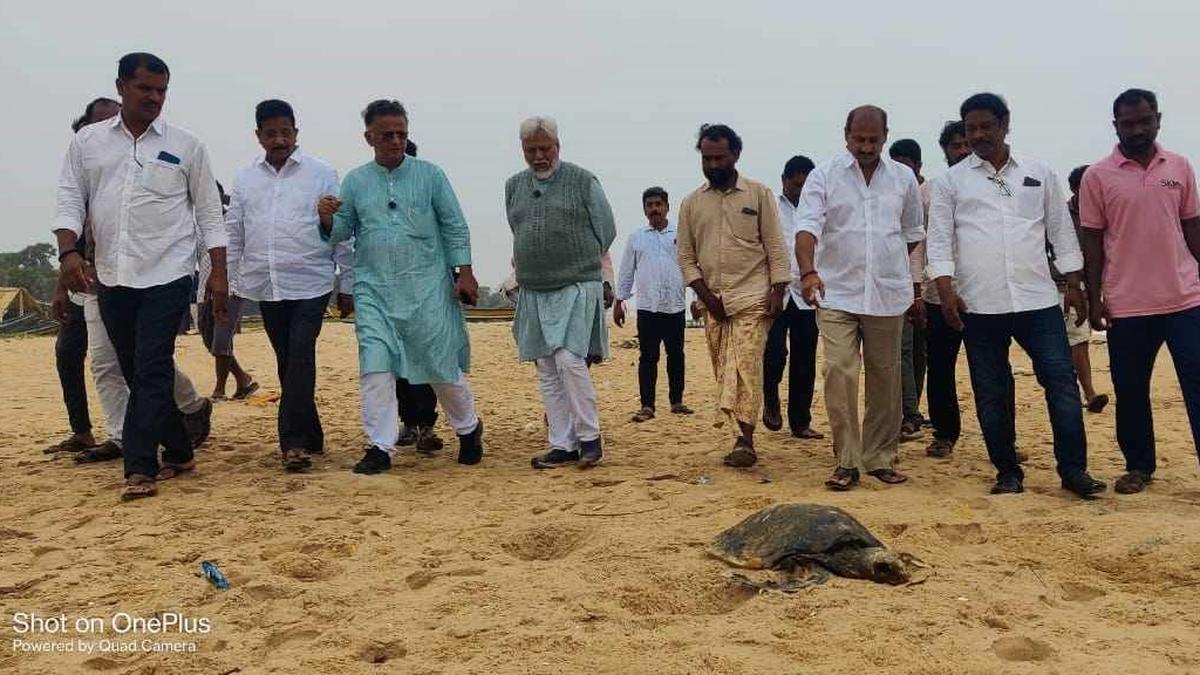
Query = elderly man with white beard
x=562 y=225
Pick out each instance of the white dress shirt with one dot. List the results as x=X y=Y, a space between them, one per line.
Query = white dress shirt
x=275 y=248
x=147 y=198
x=863 y=232
x=651 y=266
x=788 y=218
x=988 y=230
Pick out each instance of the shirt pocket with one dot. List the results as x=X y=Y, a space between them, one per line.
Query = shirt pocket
x=1031 y=202
x=420 y=221
x=744 y=221
x=164 y=179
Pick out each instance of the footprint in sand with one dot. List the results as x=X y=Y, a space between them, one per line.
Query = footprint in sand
x=1073 y=592
x=968 y=533
x=1022 y=649
x=303 y=567
x=382 y=652
x=545 y=543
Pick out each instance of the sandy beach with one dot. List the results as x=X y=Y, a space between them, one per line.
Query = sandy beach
x=435 y=567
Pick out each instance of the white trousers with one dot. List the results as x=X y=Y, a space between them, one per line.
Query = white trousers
x=570 y=399
x=110 y=381
x=381 y=411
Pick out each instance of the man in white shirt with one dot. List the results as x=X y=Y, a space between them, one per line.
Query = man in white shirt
x=795 y=329
x=651 y=265
x=148 y=189
x=989 y=220
x=860 y=218
x=279 y=260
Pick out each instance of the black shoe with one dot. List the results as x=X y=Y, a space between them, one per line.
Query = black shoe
x=1008 y=485
x=427 y=441
x=408 y=436
x=772 y=418
x=470 y=446
x=199 y=424
x=591 y=453
x=374 y=461
x=557 y=457
x=1083 y=485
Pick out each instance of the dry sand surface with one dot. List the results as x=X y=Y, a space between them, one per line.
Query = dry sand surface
x=435 y=567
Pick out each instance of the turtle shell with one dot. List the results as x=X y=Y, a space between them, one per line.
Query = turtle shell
x=774 y=535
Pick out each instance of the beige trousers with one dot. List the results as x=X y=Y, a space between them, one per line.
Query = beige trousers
x=850 y=341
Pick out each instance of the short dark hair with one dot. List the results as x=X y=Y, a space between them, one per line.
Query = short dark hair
x=84 y=119
x=383 y=107
x=866 y=108
x=410 y=148
x=272 y=108
x=987 y=102
x=715 y=132
x=1076 y=177
x=655 y=192
x=128 y=65
x=907 y=148
x=1131 y=97
x=950 y=130
x=797 y=164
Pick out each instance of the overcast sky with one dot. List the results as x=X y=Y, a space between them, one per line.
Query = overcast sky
x=629 y=82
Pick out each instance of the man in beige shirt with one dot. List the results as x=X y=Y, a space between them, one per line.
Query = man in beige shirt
x=732 y=254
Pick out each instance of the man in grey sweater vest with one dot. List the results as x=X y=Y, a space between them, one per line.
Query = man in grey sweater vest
x=562 y=225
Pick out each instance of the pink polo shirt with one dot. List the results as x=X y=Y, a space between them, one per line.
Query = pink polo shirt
x=1148 y=268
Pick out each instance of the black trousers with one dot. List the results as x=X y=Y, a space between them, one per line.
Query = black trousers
x=941 y=389
x=795 y=329
x=70 y=350
x=417 y=403
x=293 y=327
x=141 y=323
x=654 y=328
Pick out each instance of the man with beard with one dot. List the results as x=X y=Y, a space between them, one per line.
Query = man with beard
x=562 y=225
x=989 y=220
x=860 y=219
x=1141 y=223
x=732 y=254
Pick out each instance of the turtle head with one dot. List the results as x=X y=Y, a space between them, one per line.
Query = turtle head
x=885 y=567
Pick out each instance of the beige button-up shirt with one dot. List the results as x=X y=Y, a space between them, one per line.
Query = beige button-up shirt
x=733 y=241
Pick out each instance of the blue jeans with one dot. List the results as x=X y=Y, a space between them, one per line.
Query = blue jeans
x=1133 y=345
x=1043 y=336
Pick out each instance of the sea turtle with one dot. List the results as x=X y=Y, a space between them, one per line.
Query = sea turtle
x=787 y=536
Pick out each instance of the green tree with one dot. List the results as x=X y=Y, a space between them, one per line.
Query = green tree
x=32 y=268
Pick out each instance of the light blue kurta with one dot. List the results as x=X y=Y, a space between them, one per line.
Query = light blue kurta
x=407 y=318
x=570 y=318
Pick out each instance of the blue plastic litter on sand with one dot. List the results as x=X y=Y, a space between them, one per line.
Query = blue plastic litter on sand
x=213 y=574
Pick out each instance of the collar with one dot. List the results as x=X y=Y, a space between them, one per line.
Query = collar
x=1121 y=160
x=159 y=126
x=296 y=157
x=739 y=186
x=849 y=161
x=650 y=228
x=976 y=162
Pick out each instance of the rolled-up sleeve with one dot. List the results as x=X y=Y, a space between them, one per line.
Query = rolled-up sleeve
x=779 y=263
x=939 y=242
x=810 y=212
x=71 y=201
x=206 y=201
x=1060 y=229
x=686 y=244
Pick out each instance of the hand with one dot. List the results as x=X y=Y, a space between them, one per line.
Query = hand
x=917 y=313
x=811 y=287
x=1100 y=318
x=712 y=302
x=619 y=313
x=326 y=207
x=1074 y=300
x=216 y=291
x=952 y=310
x=608 y=295
x=73 y=273
x=345 y=305
x=58 y=307
x=775 y=301
x=696 y=307
x=467 y=288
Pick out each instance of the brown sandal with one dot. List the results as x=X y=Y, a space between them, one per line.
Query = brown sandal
x=243 y=394
x=138 y=486
x=743 y=455
x=842 y=479
x=888 y=476
x=169 y=471
x=101 y=453
x=72 y=445
x=296 y=460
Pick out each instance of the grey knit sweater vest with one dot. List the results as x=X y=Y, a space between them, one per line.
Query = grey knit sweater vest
x=554 y=242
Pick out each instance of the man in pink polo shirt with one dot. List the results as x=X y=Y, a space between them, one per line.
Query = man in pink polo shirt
x=1141 y=223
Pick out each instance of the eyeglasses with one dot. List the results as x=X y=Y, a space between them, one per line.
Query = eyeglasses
x=1004 y=189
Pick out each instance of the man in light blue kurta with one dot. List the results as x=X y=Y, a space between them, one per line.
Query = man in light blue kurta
x=411 y=241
